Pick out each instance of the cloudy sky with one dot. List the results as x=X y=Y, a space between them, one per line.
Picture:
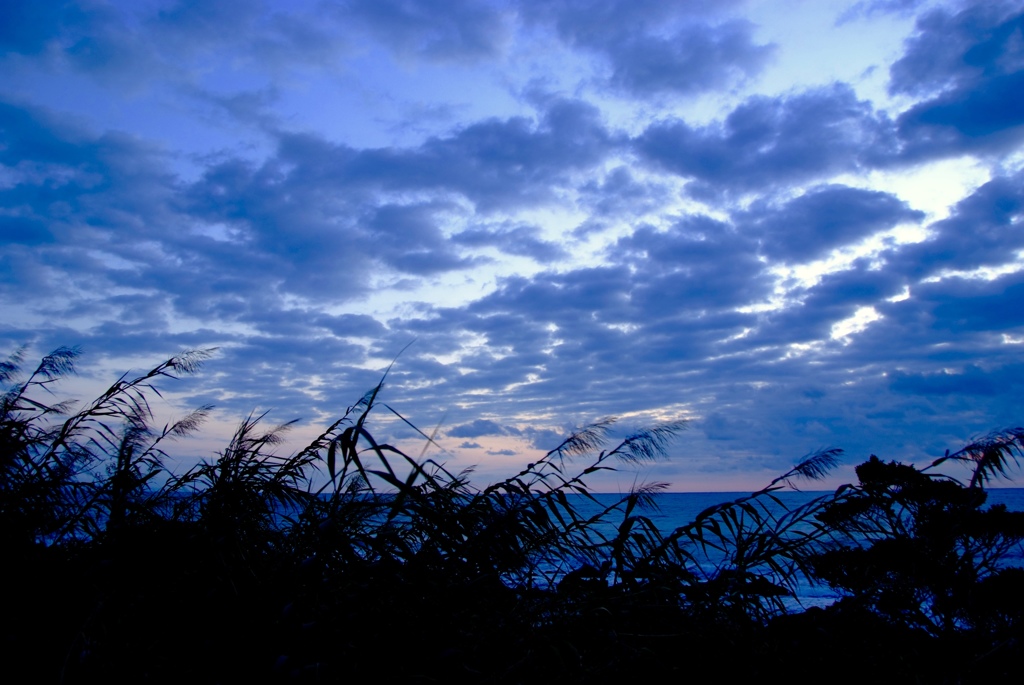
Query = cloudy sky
x=795 y=223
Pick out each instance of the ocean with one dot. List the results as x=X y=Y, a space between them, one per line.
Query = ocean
x=674 y=510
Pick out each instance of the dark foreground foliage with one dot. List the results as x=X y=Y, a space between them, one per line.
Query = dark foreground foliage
x=351 y=560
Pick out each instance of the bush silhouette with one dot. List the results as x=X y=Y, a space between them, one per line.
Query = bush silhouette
x=349 y=558
x=929 y=554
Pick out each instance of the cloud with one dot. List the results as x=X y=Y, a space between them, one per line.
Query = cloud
x=971 y=380
x=519 y=240
x=545 y=438
x=193 y=24
x=809 y=313
x=869 y=8
x=591 y=22
x=67 y=188
x=696 y=58
x=409 y=239
x=478 y=428
x=822 y=219
x=97 y=39
x=189 y=35
x=652 y=48
x=495 y=164
x=446 y=30
x=718 y=426
x=133 y=48
x=242 y=37
x=768 y=142
x=27 y=26
x=301 y=249
x=699 y=263
x=125 y=268
x=981 y=231
x=344 y=325
x=247 y=107
x=620 y=194
x=24 y=230
x=865 y=282
x=666 y=329
x=315 y=204
x=583 y=337
x=963 y=305
x=957 y=50
x=33 y=134
x=971 y=64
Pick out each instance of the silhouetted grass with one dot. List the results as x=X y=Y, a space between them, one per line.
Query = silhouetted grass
x=349 y=558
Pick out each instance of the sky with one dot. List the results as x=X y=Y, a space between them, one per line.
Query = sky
x=794 y=224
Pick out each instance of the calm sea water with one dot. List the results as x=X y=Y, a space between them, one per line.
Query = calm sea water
x=678 y=509
x=674 y=510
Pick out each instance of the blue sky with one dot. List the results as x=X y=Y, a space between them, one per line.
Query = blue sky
x=794 y=223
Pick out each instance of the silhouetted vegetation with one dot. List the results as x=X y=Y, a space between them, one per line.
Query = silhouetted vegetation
x=351 y=559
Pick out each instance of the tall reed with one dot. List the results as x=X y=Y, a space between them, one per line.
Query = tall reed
x=321 y=563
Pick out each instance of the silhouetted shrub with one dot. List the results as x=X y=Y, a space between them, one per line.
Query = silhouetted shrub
x=350 y=559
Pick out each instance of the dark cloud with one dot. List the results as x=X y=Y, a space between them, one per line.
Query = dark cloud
x=496 y=164
x=769 y=142
x=345 y=325
x=864 y=283
x=248 y=107
x=137 y=250
x=189 y=33
x=657 y=47
x=694 y=59
x=869 y=8
x=293 y=235
x=589 y=22
x=23 y=230
x=519 y=240
x=124 y=45
x=26 y=26
x=943 y=327
x=97 y=39
x=699 y=263
x=588 y=333
x=810 y=313
x=476 y=429
x=619 y=195
x=983 y=230
x=32 y=134
x=983 y=120
x=436 y=29
x=822 y=219
x=193 y=23
x=666 y=328
x=977 y=305
x=719 y=426
x=966 y=66
x=85 y=201
x=317 y=204
x=545 y=438
x=113 y=246
x=971 y=64
x=568 y=299
x=971 y=380
x=409 y=239
x=955 y=49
